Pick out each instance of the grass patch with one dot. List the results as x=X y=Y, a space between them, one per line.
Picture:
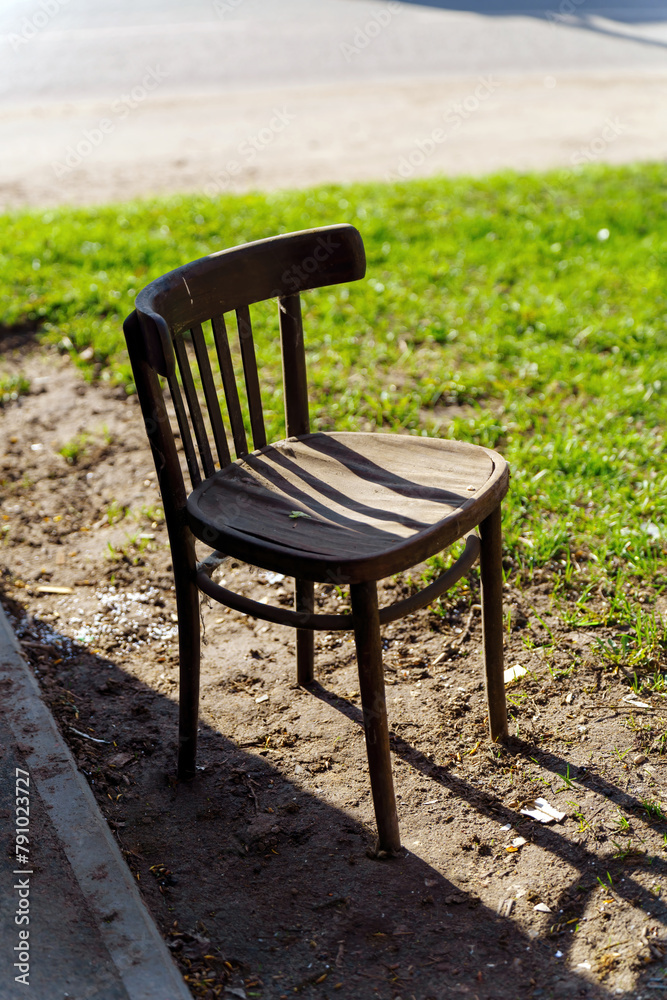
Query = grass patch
x=75 y=449
x=13 y=386
x=526 y=313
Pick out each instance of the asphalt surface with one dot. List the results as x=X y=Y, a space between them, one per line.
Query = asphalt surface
x=118 y=98
x=77 y=51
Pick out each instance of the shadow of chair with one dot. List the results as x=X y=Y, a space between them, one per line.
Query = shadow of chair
x=345 y=508
x=577 y=13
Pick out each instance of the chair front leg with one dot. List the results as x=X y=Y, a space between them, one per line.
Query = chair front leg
x=189 y=649
x=492 y=621
x=304 y=601
x=371 y=685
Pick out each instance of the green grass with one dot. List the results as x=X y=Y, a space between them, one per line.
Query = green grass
x=492 y=311
x=73 y=450
x=13 y=386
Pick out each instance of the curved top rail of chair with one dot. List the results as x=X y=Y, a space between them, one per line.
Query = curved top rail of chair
x=333 y=623
x=187 y=295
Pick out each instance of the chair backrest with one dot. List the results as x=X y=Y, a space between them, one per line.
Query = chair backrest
x=166 y=338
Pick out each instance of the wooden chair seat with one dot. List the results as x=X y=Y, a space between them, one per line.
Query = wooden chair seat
x=361 y=506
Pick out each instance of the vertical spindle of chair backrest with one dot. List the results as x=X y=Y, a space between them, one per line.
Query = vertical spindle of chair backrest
x=229 y=385
x=193 y=406
x=295 y=384
x=251 y=377
x=184 y=428
x=210 y=395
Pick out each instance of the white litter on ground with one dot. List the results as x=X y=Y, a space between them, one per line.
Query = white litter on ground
x=540 y=810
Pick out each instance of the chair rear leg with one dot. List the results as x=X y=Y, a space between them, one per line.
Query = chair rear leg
x=492 y=621
x=371 y=686
x=304 y=598
x=189 y=648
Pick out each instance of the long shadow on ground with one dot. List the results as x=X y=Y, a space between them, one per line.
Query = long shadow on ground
x=263 y=887
x=645 y=12
x=569 y=13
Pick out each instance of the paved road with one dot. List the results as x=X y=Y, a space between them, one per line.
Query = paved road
x=81 y=50
x=183 y=88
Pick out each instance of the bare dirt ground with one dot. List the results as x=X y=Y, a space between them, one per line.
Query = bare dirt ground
x=212 y=144
x=261 y=872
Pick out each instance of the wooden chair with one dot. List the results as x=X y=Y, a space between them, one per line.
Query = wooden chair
x=347 y=508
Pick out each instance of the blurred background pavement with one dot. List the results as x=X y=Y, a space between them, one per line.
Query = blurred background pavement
x=115 y=99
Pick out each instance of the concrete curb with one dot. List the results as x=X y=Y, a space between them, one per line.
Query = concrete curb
x=125 y=926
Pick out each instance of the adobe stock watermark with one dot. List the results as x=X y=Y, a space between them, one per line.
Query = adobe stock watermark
x=565 y=13
x=76 y=153
x=21 y=949
x=456 y=114
x=248 y=150
x=224 y=7
x=365 y=33
x=31 y=25
x=296 y=277
x=592 y=151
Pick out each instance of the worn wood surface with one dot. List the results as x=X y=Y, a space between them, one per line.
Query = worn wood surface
x=376 y=728
x=229 y=384
x=184 y=429
x=194 y=408
x=361 y=506
x=304 y=604
x=251 y=375
x=294 y=366
x=343 y=508
x=302 y=620
x=491 y=571
x=222 y=282
x=210 y=395
x=181 y=541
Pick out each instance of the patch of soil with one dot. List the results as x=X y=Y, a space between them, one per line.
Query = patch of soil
x=261 y=872
x=12 y=338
